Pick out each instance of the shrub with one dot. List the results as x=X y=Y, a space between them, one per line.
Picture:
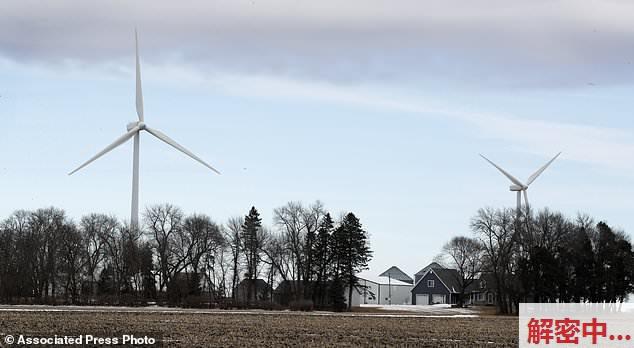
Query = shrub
x=301 y=305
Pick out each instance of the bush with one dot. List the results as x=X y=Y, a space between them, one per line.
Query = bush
x=301 y=305
x=196 y=301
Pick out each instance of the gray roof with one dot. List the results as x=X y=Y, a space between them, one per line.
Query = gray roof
x=433 y=265
x=395 y=273
x=486 y=282
x=450 y=277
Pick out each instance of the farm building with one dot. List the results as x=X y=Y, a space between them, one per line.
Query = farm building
x=372 y=291
x=482 y=291
x=438 y=285
x=396 y=289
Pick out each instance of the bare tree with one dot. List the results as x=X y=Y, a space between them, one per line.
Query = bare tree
x=497 y=232
x=200 y=237
x=233 y=237
x=92 y=228
x=217 y=264
x=465 y=256
x=111 y=240
x=45 y=228
x=290 y=220
x=164 y=223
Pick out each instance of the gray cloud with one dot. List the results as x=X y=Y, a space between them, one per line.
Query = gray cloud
x=485 y=43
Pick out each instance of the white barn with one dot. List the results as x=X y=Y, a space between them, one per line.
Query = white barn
x=394 y=287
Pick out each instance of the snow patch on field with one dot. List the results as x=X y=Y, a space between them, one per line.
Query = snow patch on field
x=435 y=311
x=431 y=309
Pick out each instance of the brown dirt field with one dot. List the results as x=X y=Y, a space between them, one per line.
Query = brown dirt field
x=269 y=329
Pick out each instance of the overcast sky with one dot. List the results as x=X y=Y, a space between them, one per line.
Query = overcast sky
x=375 y=107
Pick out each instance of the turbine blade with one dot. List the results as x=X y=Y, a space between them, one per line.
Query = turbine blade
x=178 y=147
x=122 y=139
x=540 y=170
x=525 y=199
x=139 y=92
x=511 y=177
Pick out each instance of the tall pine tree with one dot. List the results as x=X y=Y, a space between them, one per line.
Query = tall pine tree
x=321 y=252
x=352 y=252
x=251 y=248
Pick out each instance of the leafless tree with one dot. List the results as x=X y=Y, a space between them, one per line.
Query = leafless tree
x=92 y=228
x=164 y=223
x=465 y=256
x=73 y=260
x=298 y=226
x=233 y=237
x=199 y=238
x=45 y=228
x=290 y=221
x=496 y=229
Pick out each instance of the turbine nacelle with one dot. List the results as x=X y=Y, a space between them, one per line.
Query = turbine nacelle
x=139 y=124
x=517 y=188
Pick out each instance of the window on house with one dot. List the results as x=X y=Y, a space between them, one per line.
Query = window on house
x=430 y=283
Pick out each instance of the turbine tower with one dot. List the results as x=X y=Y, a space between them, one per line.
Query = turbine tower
x=518 y=186
x=134 y=131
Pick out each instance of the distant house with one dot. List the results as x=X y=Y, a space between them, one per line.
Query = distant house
x=437 y=285
x=482 y=290
x=260 y=291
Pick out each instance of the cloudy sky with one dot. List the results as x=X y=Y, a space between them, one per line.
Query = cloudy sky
x=375 y=107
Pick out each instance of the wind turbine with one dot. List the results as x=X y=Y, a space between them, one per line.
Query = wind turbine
x=518 y=186
x=134 y=131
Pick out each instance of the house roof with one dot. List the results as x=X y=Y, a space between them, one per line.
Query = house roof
x=433 y=265
x=395 y=273
x=486 y=282
x=259 y=283
x=449 y=278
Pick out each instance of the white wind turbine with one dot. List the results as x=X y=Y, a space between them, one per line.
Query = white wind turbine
x=134 y=131
x=518 y=186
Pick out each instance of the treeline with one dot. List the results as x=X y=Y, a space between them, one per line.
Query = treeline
x=544 y=257
x=179 y=259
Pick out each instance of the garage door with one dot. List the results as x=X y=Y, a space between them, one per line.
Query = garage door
x=422 y=300
x=437 y=298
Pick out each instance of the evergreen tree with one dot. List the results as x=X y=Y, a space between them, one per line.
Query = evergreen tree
x=251 y=245
x=322 y=256
x=335 y=294
x=353 y=252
